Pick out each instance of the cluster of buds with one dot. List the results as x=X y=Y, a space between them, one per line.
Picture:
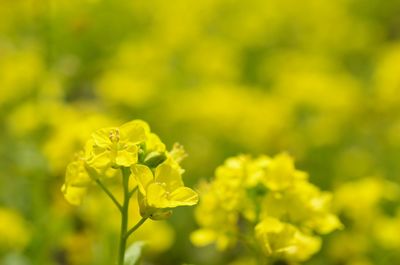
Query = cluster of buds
x=267 y=203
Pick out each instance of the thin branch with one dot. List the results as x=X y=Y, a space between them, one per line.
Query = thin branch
x=108 y=192
x=132 y=191
x=133 y=229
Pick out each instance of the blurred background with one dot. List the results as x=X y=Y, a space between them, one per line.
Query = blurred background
x=319 y=79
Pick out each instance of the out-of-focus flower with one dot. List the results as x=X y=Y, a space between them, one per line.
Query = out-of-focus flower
x=279 y=173
x=282 y=239
x=15 y=232
x=76 y=180
x=74 y=243
x=369 y=227
x=270 y=196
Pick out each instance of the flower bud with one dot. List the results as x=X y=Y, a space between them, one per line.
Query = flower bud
x=153 y=159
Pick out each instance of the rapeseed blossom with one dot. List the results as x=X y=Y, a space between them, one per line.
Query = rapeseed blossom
x=143 y=164
x=318 y=78
x=268 y=201
x=363 y=204
x=163 y=190
x=134 y=147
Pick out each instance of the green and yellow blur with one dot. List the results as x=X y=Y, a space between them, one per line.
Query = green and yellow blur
x=319 y=80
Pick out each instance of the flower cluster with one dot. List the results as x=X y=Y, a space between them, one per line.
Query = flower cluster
x=267 y=203
x=134 y=149
x=371 y=213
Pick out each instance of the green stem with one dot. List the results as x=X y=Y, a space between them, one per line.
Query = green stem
x=124 y=210
x=107 y=191
x=133 y=229
x=124 y=216
x=132 y=191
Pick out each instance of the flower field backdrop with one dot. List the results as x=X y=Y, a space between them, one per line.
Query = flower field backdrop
x=289 y=112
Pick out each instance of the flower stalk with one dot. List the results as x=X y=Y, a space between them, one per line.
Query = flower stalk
x=124 y=233
x=124 y=216
x=139 y=154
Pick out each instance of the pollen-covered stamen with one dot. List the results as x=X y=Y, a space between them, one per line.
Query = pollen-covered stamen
x=114 y=135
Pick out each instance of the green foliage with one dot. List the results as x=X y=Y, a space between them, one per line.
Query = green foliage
x=133 y=253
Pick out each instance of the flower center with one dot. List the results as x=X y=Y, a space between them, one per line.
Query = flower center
x=114 y=135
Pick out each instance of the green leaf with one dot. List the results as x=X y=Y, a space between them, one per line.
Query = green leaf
x=133 y=253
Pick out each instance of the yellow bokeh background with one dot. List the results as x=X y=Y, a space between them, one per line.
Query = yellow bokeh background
x=317 y=79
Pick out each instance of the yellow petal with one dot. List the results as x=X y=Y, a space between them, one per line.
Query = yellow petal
x=127 y=157
x=281 y=173
x=154 y=143
x=305 y=246
x=169 y=174
x=76 y=174
x=143 y=176
x=89 y=150
x=183 y=196
x=157 y=196
x=264 y=229
x=135 y=131
x=102 y=137
x=132 y=183
x=327 y=223
x=74 y=195
x=100 y=161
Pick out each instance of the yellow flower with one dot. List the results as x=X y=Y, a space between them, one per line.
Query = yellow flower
x=280 y=173
x=217 y=224
x=76 y=174
x=370 y=226
x=14 y=231
x=117 y=146
x=162 y=190
x=371 y=191
x=74 y=195
x=302 y=204
x=270 y=196
x=132 y=147
x=285 y=240
x=108 y=148
x=204 y=237
x=154 y=144
x=275 y=236
x=76 y=181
